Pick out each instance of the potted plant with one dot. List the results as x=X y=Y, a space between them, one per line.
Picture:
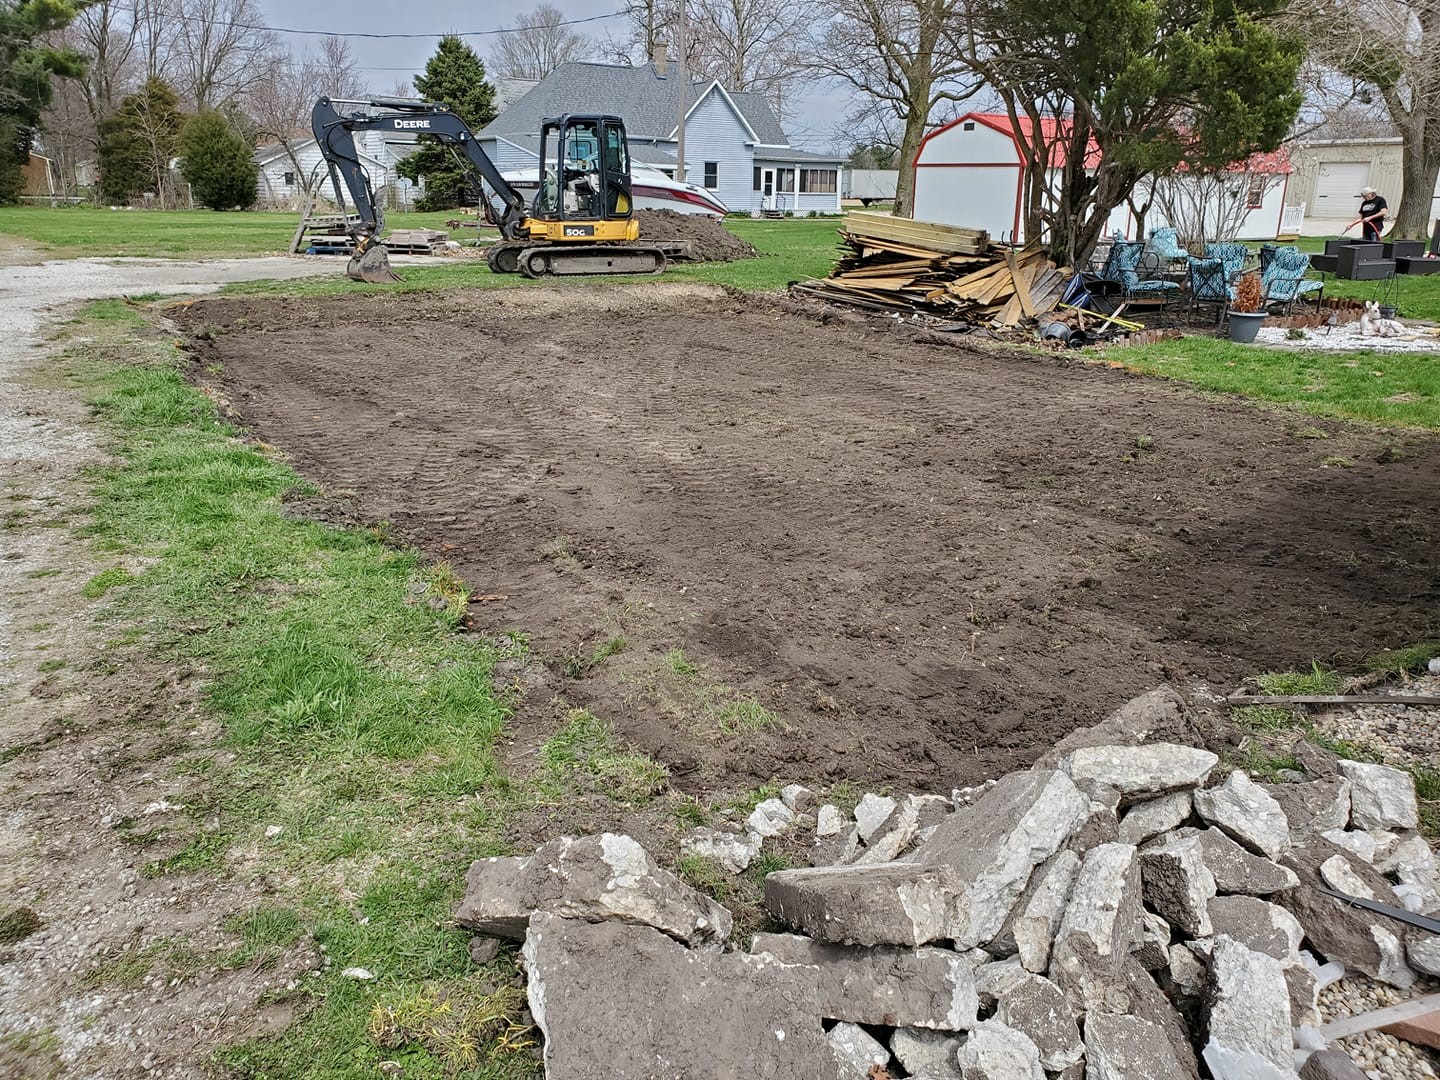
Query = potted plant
x=1248 y=310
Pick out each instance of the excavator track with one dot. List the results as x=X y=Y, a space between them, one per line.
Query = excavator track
x=566 y=260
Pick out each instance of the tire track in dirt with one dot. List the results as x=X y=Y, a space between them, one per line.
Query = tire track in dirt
x=931 y=561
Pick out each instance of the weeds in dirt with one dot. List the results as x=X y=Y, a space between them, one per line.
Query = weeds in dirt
x=1316 y=682
x=1144 y=442
x=1309 y=432
x=103 y=582
x=679 y=665
x=1338 y=461
x=578 y=665
x=585 y=753
x=1263 y=718
x=691 y=813
x=707 y=875
x=745 y=714
x=1262 y=762
x=767 y=863
x=461 y=1023
x=17 y=924
x=265 y=934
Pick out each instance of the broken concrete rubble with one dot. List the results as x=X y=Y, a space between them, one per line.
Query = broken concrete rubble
x=1239 y=871
x=1033 y=928
x=692 y=1014
x=1153 y=817
x=870 y=813
x=1037 y=1008
x=884 y=904
x=1178 y=885
x=1338 y=873
x=1380 y=797
x=607 y=877
x=1131 y=770
x=1314 y=807
x=1247 y=812
x=797 y=797
x=995 y=1051
x=1153 y=952
x=892 y=836
x=1158 y=716
x=1239 y=979
x=934 y=1055
x=1127 y=1048
x=858 y=1053
x=915 y=988
x=1101 y=923
x=1258 y=925
x=770 y=818
x=734 y=851
x=830 y=821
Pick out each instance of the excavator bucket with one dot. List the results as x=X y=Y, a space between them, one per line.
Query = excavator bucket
x=371 y=262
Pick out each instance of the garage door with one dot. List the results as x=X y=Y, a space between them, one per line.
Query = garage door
x=1337 y=194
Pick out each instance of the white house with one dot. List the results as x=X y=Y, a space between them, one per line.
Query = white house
x=734 y=144
x=970 y=172
x=285 y=176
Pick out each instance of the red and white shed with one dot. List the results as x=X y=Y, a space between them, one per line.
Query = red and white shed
x=969 y=172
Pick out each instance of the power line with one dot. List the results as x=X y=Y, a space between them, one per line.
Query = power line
x=361 y=34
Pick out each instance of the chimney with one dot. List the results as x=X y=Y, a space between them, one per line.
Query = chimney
x=658 y=58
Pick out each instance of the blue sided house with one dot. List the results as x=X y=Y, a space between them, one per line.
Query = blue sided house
x=734 y=144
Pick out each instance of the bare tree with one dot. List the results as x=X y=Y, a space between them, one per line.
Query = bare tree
x=1391 y=47
x=749 y=45
x=1209 y=204
x=541 y=43
x=896 y=53
x=281 y=102
x=220 y=51
x=156 y=26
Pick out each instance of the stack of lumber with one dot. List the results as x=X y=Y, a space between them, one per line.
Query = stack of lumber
x=416 y=241
x=895 y=264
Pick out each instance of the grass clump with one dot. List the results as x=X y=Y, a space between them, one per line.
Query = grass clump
x=1403 y=661
x=460 y=1024
x=706 y=875
x=1264 y=718
x=745 y=714
x=1263 y=762
x=585 y=753
x=103 y=582
x=17 y=924
x=679 y=665
x=265 y=933
x=1317 y=682
x=579 y=665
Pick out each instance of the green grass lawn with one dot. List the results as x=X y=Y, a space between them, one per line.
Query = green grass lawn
x=1386 y=388
x=75 y=231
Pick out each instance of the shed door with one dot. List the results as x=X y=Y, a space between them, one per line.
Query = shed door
x=1337 y=194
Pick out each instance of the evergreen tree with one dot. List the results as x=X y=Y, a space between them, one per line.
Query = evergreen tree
x=138 y=143
x=454 y=76
x=26 y=70
x=218 y=162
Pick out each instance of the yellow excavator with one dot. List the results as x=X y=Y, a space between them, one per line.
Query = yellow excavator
x=581 y=220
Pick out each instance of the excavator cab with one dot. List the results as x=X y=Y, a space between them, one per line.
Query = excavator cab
x=585 y=172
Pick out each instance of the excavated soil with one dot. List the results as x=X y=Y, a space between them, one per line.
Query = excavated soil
x=709 y=240
x=930 y=562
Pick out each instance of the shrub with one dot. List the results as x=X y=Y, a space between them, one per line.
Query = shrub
x=217 y=162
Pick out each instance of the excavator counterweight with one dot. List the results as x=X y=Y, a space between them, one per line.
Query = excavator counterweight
x=582 y=218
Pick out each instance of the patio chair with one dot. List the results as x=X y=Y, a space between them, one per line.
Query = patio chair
x=1267 y=253
x=1208 y=285
x=1135 y=287
x=1117 y=257
x=1232 y=255
x=1165 y=242
x=1284 y=280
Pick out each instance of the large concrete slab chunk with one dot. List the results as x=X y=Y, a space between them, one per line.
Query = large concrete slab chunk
x=623 y=1002
x=1154 y=816
x=1101 y=922
x=1314 y=807
x=1249 y=1003
x=901 y=903
x=1247 y=812
x=933 y=1055
x=1034 y=924
x=993 y=847
x=1127 y=1048
x=1133 y=770
x=1264 y=927
x=1178 y=884
x=770 y=818
x=1157 y=715
x=1238 y=871
x=894 y=987
x=605 y=877
x=1039 y=1009
x=871 y=812
x=1380 y=797
x=997 y=1052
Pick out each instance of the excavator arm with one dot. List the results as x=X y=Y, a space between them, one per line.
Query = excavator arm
x=335 y=135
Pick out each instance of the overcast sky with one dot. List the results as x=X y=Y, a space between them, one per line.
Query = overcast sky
x=811 y=121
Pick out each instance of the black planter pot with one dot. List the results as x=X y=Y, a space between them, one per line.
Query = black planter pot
x=1244 y=325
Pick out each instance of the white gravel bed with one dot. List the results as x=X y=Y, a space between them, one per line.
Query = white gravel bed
x=1379 y=1056
x=1348 y=338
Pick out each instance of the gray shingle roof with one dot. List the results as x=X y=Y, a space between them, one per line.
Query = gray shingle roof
x=648 y=103
x=639 y=151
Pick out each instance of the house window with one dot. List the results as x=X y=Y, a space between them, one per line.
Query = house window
x=785 y=180
x=755 y=182
x=817 y=181
x=712 y=174
x=969 y=125
x=1255 y=197
x=289 y=179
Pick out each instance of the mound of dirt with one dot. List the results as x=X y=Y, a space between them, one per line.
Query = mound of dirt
x=710 y=240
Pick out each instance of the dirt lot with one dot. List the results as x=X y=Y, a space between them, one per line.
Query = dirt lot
x=928 y=561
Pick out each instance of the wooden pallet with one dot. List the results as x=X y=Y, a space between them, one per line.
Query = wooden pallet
x=918 y=236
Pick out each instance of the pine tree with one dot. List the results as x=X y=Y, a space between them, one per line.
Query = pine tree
x=139 y=141
x=218 y=162
x=454 y=76
x=26 y=71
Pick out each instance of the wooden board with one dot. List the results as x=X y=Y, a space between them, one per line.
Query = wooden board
x=924 y=235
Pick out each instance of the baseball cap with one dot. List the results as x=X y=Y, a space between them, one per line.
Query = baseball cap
x=1368 y=191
